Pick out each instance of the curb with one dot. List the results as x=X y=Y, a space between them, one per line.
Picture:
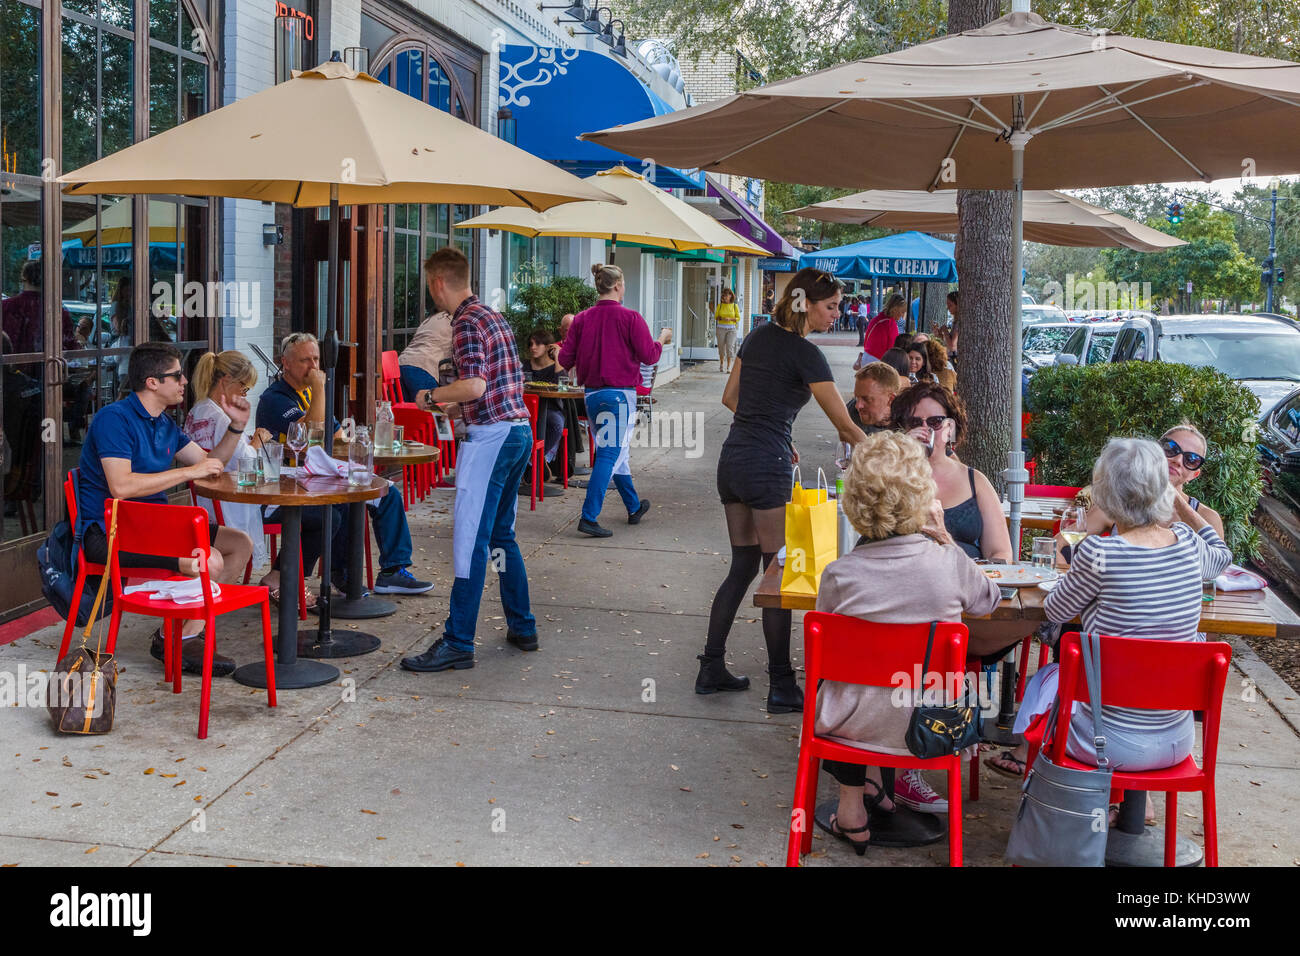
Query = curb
x=1276 y=691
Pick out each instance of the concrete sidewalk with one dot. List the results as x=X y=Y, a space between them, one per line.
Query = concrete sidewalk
x=595 y=750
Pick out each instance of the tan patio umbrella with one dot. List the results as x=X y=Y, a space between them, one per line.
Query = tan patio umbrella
x=649 y=216
x=116 y=224
x=327 y=137
x=1051 y=218
x=959 y=111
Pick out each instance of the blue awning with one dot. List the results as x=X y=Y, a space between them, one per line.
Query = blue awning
x=556 y=94
x=908 y=255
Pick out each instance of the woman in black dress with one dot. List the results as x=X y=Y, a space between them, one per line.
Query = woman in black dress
x=775 y=374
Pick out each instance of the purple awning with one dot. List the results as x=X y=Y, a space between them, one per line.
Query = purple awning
x=746 y=222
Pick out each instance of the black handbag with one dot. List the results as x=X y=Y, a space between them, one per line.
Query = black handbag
x=938 y=730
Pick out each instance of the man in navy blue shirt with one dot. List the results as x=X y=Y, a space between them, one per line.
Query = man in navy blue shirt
x=132 y=451
x=300 y=395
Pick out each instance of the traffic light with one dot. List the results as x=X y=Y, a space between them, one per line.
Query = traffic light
x=1281 y=275
x=1175 y=213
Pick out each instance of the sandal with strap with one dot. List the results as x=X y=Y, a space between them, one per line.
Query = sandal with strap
x=873 y=802
x=842 y=833
x=1010 y=757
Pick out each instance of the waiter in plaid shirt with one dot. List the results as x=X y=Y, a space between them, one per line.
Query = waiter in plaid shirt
x=489 y=465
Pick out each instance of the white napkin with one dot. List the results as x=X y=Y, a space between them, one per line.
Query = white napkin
x=321 y=464
x=1237 y=578
x=188 y=591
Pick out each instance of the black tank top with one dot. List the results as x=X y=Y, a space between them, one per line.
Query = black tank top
x=965 y=523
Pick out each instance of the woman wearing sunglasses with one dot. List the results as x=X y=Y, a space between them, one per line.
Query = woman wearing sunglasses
x=972 y=520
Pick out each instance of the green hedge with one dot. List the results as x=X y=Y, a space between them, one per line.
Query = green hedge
x=543 y=304
x=1076 y=408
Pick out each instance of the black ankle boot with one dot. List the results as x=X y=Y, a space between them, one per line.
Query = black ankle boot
x=714 y=677
x=783 y=694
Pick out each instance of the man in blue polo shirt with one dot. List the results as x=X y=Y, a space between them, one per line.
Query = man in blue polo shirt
x=131 y=451
x=300 y=395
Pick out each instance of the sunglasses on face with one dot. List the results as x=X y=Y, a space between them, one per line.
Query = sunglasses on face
x=1190 y=458
x=178 y=375
x=934 y=422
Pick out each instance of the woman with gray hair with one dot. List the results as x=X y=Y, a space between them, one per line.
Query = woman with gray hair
x=1143 y=581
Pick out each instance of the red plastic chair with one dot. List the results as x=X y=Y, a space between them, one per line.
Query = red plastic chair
x=1153 y=675
x=534 y=405
x=89 y=568
x=537 y=490
x=417 y=425
x=175 y=531
x=390 y=382
x=855 y=651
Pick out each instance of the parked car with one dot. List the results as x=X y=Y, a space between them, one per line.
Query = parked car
x=1088 y=342
x=1278 y=514
x=1033 y=314
x=1262 y=353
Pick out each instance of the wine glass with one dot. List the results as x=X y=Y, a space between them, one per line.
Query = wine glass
x=296 y=439
x=1074 y=525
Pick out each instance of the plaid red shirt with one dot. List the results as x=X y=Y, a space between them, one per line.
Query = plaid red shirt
x=485 y=348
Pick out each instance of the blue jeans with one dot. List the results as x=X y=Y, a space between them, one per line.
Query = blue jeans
x=391 y=531
x=488 y=472
x=414 y=379
x=610 y=412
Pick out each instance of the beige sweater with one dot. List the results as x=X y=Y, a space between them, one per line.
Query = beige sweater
x=905 y=580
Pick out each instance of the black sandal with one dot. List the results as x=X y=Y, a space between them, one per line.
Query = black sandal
x=872 y=803
x=1010 y=757
x=842 y=833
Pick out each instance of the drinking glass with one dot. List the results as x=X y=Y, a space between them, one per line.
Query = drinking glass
x=273 y=457
x=246 y=470
x=1074 y=525
x=316 y=436
x=399 y=432
x=1043 y=553
x=297 y=440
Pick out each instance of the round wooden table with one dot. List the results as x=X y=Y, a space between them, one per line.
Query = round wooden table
x=571 y=394
x=291 y=496
x=554 y=391
x=412 y=453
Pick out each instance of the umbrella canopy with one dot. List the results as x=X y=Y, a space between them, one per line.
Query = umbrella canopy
x=648 y=216
x=333 y=126
x=1091 y=109
x=1101 y=110
x=1051 y=218
x=909 y=255
x=116 y=224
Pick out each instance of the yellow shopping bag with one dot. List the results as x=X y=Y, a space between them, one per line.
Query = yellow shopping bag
x=811 y=540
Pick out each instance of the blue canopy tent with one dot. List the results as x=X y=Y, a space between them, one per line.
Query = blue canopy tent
x=913 y=256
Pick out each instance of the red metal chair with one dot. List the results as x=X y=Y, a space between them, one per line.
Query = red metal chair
x=89 y=568
x=537 y=490
x=272 y=531
x=855 y=651
x=175 y=531
x=1150 y=675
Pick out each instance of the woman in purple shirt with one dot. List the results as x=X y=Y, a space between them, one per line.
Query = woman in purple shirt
x=606 y=346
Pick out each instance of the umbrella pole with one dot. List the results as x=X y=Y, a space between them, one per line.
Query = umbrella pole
x=1015 y=476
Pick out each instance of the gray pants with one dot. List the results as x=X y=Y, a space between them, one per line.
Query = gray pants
x=1134 y=752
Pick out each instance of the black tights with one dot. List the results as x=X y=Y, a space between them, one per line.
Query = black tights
x=748 y=530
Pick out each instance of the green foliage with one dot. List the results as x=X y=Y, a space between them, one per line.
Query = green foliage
x=1252 y=230
x=1077 y=408
x=543 y=304
x=1211 y=260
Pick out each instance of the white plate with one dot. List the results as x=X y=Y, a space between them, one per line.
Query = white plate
x=1049 y=585
x=1018 y=575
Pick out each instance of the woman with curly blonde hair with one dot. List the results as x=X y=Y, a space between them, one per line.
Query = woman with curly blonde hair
x=901 y=572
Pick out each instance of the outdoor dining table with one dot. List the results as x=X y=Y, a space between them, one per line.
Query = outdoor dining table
x=1038 y=512
x=561 y=394
x=291 y=495
x=357 y=604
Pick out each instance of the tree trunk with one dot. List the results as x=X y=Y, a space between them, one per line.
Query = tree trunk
x=935 y=297
x=984 y=270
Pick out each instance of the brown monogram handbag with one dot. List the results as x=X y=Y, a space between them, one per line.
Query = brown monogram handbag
x=82 y=695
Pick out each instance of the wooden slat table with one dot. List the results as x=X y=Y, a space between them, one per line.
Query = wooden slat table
x=1254 y=613
x=1039 y=513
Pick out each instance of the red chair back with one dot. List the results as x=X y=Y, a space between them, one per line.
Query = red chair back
x=70 y=496
x=854 y=651
x=171 y=531
x=391 y=377
x=1148 y=675
x=416 y=423
x=532 y=403
x=1051 y=491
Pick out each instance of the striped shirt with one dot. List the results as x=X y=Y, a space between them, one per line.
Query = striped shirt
x=1117 y=588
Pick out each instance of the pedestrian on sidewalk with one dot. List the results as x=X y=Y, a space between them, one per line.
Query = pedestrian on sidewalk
x=726 y=318
x=489 y=465
x=777 y=372
x=606 y=346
